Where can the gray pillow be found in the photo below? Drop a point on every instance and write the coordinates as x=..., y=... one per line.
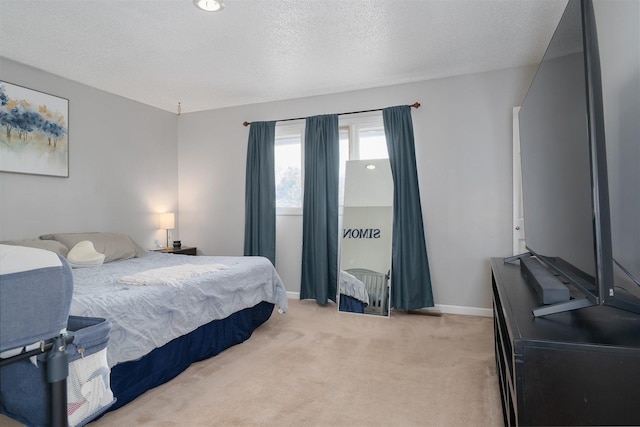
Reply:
x=49, y=245
x=114, y=246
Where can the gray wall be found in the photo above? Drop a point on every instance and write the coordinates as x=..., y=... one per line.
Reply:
x=463, y=149
x=122, y=167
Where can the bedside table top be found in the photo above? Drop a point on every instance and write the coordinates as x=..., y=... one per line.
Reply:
x=183, y=250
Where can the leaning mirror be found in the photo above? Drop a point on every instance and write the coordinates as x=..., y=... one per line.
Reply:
x=365, y=251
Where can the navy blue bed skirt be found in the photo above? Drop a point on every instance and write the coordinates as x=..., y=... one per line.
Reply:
x=351, y=305
x=131, y=379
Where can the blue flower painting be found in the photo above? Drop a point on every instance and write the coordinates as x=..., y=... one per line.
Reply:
x=34, y=132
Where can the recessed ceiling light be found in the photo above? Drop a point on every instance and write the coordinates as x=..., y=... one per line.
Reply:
x=370, y=166
x=209, y=5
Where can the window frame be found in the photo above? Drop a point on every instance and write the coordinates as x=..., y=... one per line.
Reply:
x=357, y=122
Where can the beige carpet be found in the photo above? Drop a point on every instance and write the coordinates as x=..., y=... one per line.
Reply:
x=317, y=367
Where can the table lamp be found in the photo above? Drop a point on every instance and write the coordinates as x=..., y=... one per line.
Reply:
x=167, y=221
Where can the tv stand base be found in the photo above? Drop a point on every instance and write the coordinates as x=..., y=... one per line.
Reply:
x=573, y=304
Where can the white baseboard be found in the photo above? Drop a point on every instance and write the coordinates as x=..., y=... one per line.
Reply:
x=450, y=309
x=467, y=311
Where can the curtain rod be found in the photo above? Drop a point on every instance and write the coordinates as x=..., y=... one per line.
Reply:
x=414, y=105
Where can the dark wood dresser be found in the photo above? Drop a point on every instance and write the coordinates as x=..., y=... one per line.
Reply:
x=574, y=368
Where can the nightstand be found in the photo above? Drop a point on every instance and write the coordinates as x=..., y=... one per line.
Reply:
x=184, y=250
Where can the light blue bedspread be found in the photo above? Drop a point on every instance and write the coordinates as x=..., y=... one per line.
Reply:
x=351, y=286
x=146, y=317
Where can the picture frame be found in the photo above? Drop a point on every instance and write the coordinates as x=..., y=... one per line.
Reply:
x=34, y=132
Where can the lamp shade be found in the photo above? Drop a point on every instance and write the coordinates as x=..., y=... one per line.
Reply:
x=167, y=221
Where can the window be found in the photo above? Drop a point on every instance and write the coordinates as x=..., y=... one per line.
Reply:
x=373, y=143
x=288, y=168
x=361, y=138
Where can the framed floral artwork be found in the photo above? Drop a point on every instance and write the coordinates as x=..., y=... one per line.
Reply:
x=34, y=132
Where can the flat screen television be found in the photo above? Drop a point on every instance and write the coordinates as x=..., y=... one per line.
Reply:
x=564, y=167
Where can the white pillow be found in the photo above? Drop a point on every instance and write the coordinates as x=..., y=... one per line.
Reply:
x=83, y=254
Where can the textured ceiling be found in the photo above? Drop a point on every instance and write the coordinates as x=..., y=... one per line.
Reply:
x=163, y=52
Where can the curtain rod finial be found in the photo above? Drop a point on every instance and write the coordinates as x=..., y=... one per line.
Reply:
x=245, y=123
x=416, y=105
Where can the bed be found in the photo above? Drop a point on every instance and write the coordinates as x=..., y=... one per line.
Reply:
x=196, y=307
x=353, y=296
x=364, y=291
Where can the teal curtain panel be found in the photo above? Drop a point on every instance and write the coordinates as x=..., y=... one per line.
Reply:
x=320, y=210
x=410, y=275
x=260, y=192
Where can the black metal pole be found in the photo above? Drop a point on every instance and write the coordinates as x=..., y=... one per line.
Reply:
x=57, y=372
